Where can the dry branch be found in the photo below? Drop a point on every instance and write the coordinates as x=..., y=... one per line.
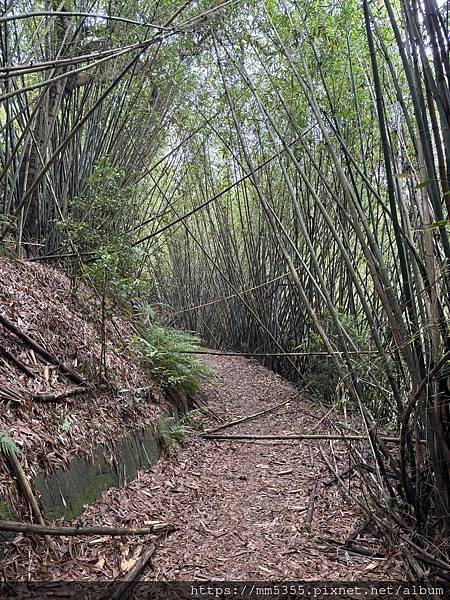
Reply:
x=134, y=574
x=58, y=396
x=34, y=529
x=16, y=362
x=40, y=350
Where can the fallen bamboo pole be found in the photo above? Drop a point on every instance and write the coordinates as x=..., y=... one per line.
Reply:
x=131, y=578
x=16, y=362
x=249, y=417
x=54, y=530
x=42, y=351
x=218, y=437
x=24, y=485
x=262, y=354
x=424, y=555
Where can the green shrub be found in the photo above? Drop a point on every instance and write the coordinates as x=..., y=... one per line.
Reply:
x=167, y=354
x=99, y=226
x=172, y=432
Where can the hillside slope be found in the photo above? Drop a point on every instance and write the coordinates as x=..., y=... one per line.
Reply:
x=39, y=301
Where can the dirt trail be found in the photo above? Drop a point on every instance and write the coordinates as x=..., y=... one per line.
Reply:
x=239, y=507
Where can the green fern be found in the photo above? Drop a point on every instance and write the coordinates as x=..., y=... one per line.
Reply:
x=7, y=445
x=172, y=432
x=167, y=354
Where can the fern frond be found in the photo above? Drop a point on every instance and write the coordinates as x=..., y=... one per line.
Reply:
x=172, y=432
x=167, y=354
x=7, y=445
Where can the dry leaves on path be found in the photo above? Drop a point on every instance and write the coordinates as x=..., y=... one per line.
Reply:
x=239, y=507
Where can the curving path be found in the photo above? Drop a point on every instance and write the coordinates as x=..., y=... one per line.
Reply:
x=240, y=508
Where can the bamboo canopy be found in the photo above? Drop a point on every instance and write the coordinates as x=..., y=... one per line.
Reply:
x=274, y=176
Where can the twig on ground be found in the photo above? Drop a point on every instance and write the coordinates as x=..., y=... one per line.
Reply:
x=310, y=513
x=40, y=350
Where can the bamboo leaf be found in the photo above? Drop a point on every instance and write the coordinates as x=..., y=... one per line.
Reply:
x=423, y=184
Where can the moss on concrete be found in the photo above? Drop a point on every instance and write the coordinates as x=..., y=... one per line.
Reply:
x=67, y=492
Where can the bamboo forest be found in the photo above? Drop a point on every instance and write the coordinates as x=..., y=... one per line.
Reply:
x=224, y=298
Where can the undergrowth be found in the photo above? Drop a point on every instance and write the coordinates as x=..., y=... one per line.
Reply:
x=7, y=445
x=320, y=373
x=174, y=432
x=166, y=352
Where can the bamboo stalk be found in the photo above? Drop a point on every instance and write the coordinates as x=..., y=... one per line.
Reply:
x=53, y=530
x=293, y=436
x=24, y=485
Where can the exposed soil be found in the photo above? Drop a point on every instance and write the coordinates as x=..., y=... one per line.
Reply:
x=239, y=508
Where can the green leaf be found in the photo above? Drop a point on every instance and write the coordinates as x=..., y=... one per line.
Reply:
x=437, y=224
x=7, y=445
x=423, y=184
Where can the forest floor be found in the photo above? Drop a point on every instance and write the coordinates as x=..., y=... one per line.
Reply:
x=239, y=507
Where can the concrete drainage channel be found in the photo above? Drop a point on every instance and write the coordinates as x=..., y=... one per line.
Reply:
x=67, y=492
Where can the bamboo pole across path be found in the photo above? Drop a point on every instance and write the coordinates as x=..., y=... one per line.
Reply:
x=35, y=529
